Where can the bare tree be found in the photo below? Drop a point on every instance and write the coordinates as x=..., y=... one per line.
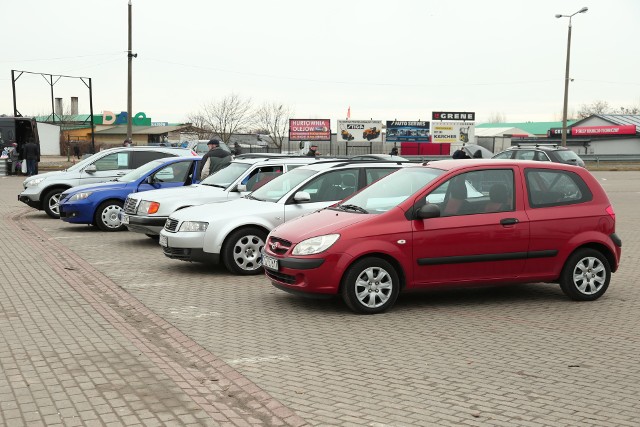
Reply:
x=273, y=119
x=597, y=107
x=230, y=115
x=497, y=118
x=200, y=126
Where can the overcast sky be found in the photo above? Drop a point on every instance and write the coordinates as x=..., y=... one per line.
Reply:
x=387, y=60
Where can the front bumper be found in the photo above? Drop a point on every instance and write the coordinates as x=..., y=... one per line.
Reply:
x=77, y=212
x=26, y=199
x=186, y=246
x=145, y=224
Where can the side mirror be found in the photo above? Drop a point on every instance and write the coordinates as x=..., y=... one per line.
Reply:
x=302, y=196
x=241, y=188
x=149, y=180
x=90, y=169
x=428, y=211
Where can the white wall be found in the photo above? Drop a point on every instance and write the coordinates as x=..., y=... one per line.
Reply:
x=49, y=139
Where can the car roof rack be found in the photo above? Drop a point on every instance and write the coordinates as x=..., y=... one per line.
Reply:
x=537, y=144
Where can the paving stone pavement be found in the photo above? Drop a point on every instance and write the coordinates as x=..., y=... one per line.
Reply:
x=101, y=329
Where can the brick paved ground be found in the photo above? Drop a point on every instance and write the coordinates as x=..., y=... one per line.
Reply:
x=101, y=327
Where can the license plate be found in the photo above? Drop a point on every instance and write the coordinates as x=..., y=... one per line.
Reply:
x=125, y=219
x=164, y=241
x=269, y=262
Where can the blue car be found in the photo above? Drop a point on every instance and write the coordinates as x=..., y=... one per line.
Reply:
x=100, y=204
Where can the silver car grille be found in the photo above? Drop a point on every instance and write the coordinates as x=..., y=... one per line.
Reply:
x=171, y=225
x=130, y=206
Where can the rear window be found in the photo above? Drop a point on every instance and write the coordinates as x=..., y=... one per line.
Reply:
x=548, y=188
x=567, y=155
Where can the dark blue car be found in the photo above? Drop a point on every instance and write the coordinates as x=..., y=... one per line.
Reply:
x=100, y=204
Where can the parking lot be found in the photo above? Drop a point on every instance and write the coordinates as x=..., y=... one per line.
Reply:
x=186, y=344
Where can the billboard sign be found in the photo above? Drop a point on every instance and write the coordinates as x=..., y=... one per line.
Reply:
x=309, y=130
x=452, y=132
x=452, y=115
x=405, y=131
x=595, y=130
x=359, y=131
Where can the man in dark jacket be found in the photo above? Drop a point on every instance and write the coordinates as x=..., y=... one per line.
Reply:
x=217, y=157
x=31, y=153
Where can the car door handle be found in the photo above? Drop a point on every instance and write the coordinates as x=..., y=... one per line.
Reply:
x=508, y=221
x=120, y=173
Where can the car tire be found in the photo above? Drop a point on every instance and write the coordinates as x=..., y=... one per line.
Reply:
x=51, y=202
x=242, y=251
x=106, y=216
x=370, y=286
x=586, y=275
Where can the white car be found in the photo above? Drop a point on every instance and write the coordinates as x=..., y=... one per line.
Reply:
x=43, y=191
x=234, y=232
x=147, y=213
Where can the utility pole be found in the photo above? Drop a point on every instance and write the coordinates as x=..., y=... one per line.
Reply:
x=130, y=56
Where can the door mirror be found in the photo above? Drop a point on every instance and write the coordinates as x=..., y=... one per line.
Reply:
x=241, y=188
x=149, y=180
x=302, y=196
x=428, y=211
x=90, y=169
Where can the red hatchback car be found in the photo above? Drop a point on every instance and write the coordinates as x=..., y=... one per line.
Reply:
x=452, y=223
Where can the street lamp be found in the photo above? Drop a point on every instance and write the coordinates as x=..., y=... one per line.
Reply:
x=566, y=76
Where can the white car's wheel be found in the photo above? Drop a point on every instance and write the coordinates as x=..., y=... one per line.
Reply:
x=242, y=251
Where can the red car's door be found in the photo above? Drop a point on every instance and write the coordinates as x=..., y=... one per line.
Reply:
x=482, y=239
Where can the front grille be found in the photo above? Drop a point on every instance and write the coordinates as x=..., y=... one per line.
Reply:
x=171, y=225
x=281, y=277
x=279, y=246
x=130, y=206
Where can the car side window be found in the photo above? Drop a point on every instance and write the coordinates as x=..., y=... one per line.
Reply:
x=541, y=156
x=113, y=161
x=374, y=174
x=525, y=154
x=175, y=172
x=260, y=176
x=504, y=155
x=477, y=192
x=546, y=188
x=139, y=157
x=333, y=186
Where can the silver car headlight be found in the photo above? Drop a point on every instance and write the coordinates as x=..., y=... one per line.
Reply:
x=80, y=196
x=194, y=226
x=33, y=182
x=315, y=245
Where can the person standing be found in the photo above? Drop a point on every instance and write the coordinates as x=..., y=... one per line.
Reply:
x=76, y=151
x=31, y=154
x=14, y=156
x=217, y=158
x=313, y=151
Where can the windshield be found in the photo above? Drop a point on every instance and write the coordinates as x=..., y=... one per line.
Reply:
x=136, y=174
x=388, y=192
x=278, y=187
x=227, y=176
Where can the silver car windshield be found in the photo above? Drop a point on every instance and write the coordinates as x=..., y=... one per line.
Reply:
x=227, y=176
x=388, y=192
x=278, y=187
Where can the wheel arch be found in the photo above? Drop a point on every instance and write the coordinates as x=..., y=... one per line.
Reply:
x=603, y=249
x=230, y=231
x=391, y=260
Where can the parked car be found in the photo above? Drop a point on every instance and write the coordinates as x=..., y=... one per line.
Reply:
x=379, y=157
x=528, y=222
x=43, y=191
x=101, y=204
x=234, y=232
x=147, y=213
x=542, y=153
x=201, y=147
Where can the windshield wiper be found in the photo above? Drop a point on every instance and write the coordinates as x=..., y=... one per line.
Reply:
x=215, y=185
x=353, y=208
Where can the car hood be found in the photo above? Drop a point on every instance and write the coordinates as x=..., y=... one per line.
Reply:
x=168, y=195
x=53, y=174
x=103, y=186
x=326, y=221
x=226, y=210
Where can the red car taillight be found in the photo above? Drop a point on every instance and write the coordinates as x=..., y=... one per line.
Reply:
x=611, y=213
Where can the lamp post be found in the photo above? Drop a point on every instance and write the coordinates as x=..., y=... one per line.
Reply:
x=566, y=76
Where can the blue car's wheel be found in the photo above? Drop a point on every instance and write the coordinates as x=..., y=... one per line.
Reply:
x=106, y=217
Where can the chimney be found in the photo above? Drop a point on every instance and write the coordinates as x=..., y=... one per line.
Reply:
x=74, y=105
x=58, y=107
